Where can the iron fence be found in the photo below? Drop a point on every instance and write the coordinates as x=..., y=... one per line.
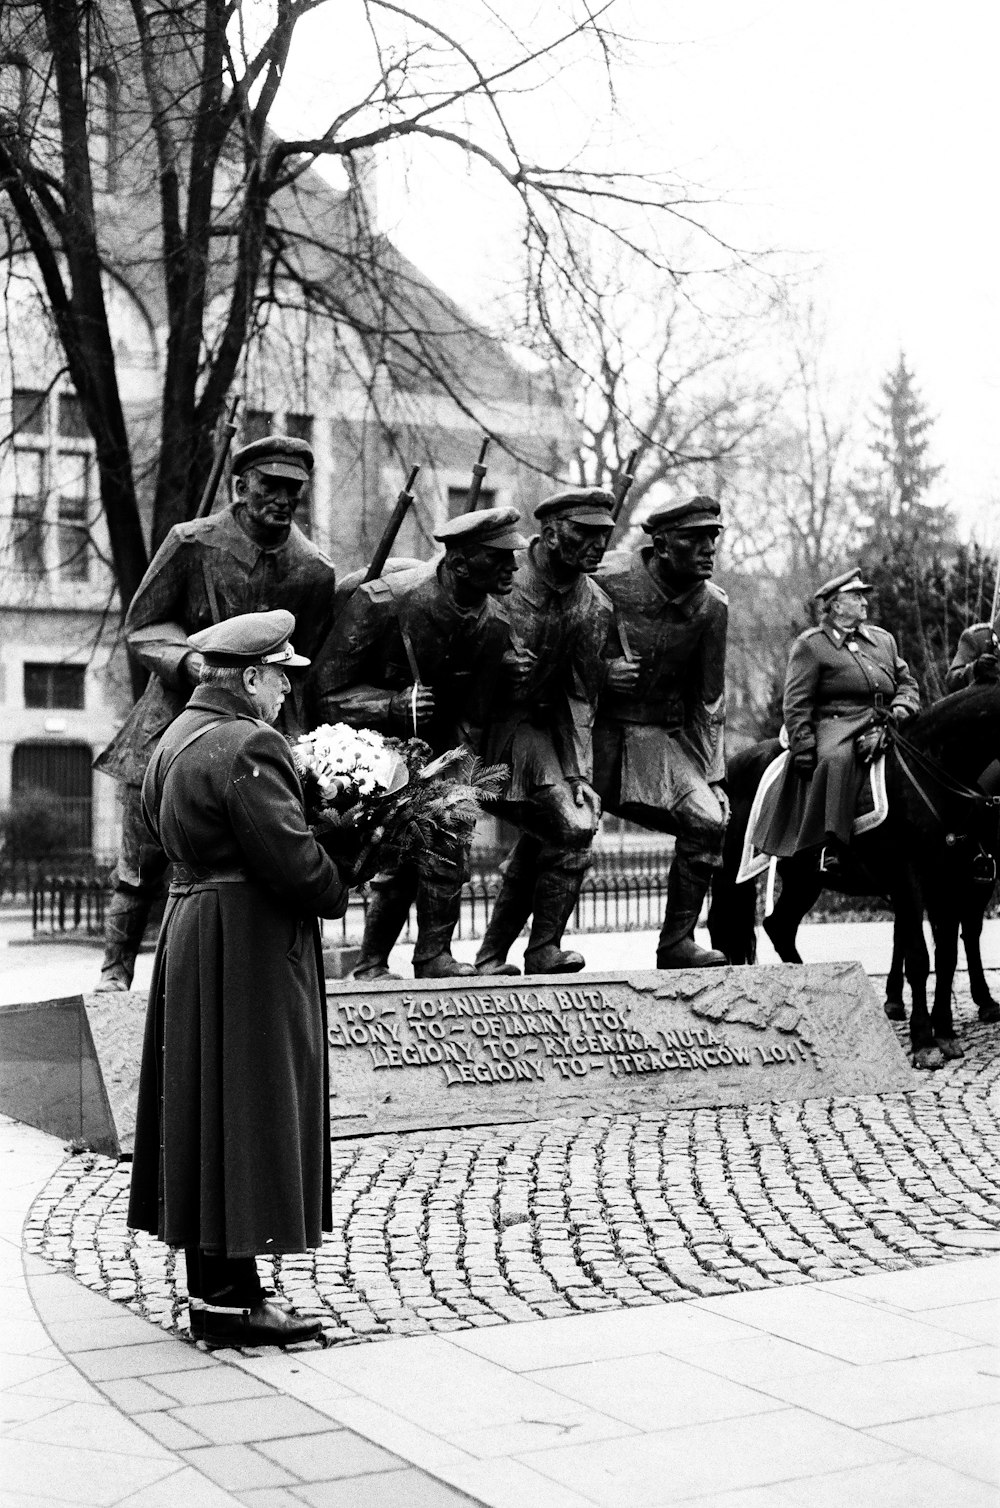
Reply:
x=61, y=904
x=608, y=903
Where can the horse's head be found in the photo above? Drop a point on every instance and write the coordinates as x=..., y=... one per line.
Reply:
x=961, y=730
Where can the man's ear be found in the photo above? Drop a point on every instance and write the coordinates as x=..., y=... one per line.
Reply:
x=250, y=677
x=550, y=534
x=458, y=564
x=240, y=485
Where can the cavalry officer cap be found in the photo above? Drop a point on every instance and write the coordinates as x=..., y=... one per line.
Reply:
x=697, y=513
x=250, y=639
x=496, y=527
x=850, y=581
x=581, y=505
x=275, y=455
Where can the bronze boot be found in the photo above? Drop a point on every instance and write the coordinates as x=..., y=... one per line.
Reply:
x=687, y=888
x=385, y=918
x=553, y=903
x=124, y=929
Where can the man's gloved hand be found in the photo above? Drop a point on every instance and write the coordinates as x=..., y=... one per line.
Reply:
x=900, y=715
x=405, y=707
x=804, y=762
x=986, y=670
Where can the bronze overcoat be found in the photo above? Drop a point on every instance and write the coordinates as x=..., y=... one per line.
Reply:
x=457, y=654
x=675, y=715
x=205, y=571
x=976, y=640
x=232, y=1142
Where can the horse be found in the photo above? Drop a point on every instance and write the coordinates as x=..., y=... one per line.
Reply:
x=935, y=851
x=971, y=920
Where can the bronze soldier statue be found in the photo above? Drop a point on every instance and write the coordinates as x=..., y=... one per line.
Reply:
x=543, y=726
x=975, y=662
x=246, y=558
x=658, y=742
x=417, y=654
x=841, y=677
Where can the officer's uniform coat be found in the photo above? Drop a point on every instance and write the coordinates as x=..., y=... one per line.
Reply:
x=204, y=572
x=833, y=683
x=232, y=1143
x=457, y=651
x=659, y=746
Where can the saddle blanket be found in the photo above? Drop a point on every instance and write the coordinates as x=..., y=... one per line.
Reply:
x=753, y=862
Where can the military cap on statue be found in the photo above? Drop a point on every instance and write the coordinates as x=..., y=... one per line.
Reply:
x=496, y=527
x=275, y=455
x=696, y=513
x=850, y=581
x=581, y=505
x=250, y=639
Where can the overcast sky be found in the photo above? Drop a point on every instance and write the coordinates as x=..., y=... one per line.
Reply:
x=860, y=138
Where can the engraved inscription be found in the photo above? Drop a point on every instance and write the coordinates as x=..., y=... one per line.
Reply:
x=487, y=1037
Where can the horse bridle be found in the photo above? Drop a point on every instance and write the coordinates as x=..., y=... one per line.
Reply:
x=907, y=753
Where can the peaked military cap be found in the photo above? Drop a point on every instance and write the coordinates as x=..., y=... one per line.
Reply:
x=496, y=527
x=850, y=581
x=581, y=505
x=699, y=512
x=275, y=455
x=250, y=639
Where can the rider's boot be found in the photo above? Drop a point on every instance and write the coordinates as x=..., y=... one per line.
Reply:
x=124, y=928
x=687, y=888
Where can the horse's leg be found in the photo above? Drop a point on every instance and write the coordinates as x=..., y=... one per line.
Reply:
x=944, y=925
x=801, y=883
x=894, y=1007
x=908, y=910
x=972, y=932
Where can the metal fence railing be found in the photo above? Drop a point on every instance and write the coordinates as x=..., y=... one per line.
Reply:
x=61, y=904
x=608, y=902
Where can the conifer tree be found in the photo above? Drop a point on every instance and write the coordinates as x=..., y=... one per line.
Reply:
x=896, y=491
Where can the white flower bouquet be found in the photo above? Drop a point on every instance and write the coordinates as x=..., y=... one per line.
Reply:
x=376, y=803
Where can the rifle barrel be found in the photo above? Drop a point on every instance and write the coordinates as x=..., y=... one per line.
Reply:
x=215, y=475
x=392, y=528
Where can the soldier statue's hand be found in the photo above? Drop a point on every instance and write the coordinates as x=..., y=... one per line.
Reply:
x=518, y=665
x=193, y=662
x=585, y=795
x=804, y=762
x=623, y=674
x=721, y=796
x=405, y=706
x=986, y=670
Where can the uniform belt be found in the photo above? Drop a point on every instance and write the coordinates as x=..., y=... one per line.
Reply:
x=184, y=875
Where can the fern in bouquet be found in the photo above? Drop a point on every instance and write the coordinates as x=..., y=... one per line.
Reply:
x=377, y=803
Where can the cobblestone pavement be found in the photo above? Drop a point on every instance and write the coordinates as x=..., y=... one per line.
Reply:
x=445, y=1230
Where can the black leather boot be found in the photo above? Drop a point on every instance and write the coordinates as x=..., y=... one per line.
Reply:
x=124, y=929
x=686, y=890
x=553, y=903
x=262, y=1325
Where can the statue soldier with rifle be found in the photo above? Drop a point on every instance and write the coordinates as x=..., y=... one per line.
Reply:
x=246, y=558
x=658, y=740
x=542, y=725
x=977, y=658
x=418, y=654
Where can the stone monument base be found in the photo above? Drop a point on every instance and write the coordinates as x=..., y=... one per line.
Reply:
x=419, y=1054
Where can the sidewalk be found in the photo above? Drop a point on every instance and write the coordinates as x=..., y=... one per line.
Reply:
x=881, y=1390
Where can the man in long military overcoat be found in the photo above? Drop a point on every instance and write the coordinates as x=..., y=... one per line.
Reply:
x=232, y=1141
x=543, y=727
x=659, y=758
x=842, y=676
x=417, y=654
x=247, y=558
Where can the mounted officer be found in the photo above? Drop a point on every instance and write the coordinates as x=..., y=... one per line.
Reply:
x=417, y=653
x=658, y=741
x=843, y=677
x=249, y=557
